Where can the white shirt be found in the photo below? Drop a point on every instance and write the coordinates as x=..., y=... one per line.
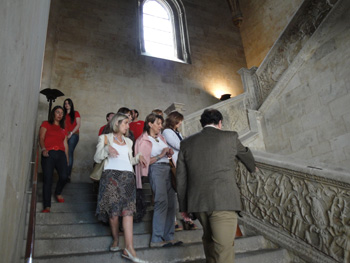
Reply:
x=173, y=141
x=157, y=148
x=121, y=162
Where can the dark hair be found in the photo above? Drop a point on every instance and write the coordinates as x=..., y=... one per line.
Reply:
x=109, y=113
x=72, y=112
x=151, y=118
x=124, y=110
x=51, y=119
x=173, y=119
x=211, y=116
x=134, y=110
x=157, y=112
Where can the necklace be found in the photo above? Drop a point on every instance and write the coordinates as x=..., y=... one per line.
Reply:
x=155, y=138
x=116, y=138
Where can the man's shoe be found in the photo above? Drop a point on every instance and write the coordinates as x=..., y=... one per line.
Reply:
x=175, y=242
x=161, y=244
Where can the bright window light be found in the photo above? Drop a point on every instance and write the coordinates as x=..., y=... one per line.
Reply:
x=158, y=30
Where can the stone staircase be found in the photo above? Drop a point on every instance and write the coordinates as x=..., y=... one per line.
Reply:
x=71, y=234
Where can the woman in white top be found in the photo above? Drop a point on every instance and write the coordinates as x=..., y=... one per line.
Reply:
x=117, y=190
x=173, y=137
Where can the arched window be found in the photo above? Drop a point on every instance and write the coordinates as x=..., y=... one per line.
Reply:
x=163, y=30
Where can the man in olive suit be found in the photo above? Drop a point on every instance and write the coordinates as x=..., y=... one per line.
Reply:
x=206, y=183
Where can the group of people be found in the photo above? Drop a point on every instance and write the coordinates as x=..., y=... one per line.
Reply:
x=118, y=184
x=132, y=149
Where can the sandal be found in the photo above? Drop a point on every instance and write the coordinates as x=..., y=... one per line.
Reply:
x=189, y=225
x=132, y=258
x=178, y=227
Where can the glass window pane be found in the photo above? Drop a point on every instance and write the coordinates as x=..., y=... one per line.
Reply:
x=158, y=30
x=154, y=8
x=159, y=49
x=154, y=22
x=158, y=36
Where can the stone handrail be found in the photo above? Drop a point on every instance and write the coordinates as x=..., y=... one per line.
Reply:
x=233, y=111
x=299, y=30
x=301, y=207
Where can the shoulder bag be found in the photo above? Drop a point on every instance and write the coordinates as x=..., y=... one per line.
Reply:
x=98, y=167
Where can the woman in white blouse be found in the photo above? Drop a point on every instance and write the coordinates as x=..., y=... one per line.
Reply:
x=117, y=190
x=173, y=137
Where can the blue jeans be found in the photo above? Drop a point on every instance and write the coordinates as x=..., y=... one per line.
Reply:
x=163, y=225
x=72, y=143
x=56, y=160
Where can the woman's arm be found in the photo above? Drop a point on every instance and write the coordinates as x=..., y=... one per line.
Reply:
x=160, y=156
x=76, y=127
x=65, y=142
x=172, y=139
x=101, y=150
x=42, y=134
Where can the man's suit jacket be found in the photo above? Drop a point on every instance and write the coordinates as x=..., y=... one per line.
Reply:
x=205, y=171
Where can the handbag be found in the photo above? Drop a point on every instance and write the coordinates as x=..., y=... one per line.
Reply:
x=98, y=167
x=173, y=173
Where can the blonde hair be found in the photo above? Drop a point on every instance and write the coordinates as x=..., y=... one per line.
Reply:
x=116, y=121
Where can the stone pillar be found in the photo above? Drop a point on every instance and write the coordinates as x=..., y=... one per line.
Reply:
x=180, y=107
x=251, y=87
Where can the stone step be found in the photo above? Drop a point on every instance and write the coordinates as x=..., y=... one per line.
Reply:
x=83, y=230
x=74, y=198
x=65, y=246
x=278, y=255
x=261, y=256
x=73, y=218
x=84, y=188
x=68, y=207
x=86, y=229
x=186, y=253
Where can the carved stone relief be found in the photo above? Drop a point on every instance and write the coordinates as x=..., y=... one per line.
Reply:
x=282, y=54
x=306, y=207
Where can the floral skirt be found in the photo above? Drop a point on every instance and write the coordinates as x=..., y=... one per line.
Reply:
x=116, y=195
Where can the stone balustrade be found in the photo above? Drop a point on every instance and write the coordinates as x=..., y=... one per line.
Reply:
x=303, y=208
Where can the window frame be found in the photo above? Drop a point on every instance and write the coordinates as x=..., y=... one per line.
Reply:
x=180, y=33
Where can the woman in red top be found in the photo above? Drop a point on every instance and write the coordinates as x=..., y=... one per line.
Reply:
x=72, y=128
x=54, y=148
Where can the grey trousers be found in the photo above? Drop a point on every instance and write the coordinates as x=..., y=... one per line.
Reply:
x=163, y=226
x=219, y=229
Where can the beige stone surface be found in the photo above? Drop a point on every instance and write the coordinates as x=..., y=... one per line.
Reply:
x=263, y=22
x=313, y=107
x=22, y=45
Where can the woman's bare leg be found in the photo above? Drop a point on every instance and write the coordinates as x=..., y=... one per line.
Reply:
x=128, y=234
x=114, y=224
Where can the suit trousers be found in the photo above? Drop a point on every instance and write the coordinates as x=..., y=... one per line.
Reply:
x=163, y=225
x=219, y=229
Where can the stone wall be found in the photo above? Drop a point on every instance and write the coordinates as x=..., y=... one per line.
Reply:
x=22, y=34
x=308, y=115
x=92, y=57
x=263, y=22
